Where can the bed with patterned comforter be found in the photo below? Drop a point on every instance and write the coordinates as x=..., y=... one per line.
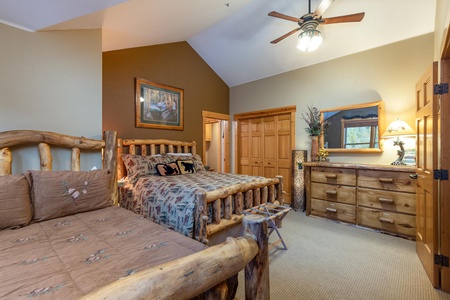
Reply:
x=171, y=200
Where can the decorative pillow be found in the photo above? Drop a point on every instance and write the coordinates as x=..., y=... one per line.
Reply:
x=182, y=156
x=15, y=202
x=61, y=193
x=139, y=165
x=168, y=169
x=186, y=166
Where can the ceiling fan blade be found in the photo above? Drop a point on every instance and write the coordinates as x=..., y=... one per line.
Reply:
x=323, y=6
x=284, y=17
x=342, y=19
x=285, y=36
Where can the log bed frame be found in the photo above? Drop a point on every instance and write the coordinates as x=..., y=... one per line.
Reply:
x=246, y=195
x=201, y=274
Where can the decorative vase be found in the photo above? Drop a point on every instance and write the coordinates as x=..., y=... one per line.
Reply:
x=314, y=148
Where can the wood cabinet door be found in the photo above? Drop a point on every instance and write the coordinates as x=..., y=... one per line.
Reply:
x=427, y=161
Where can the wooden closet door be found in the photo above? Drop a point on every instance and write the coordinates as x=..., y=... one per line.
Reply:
x=256, y=147
x=244, y=147
x=270, y=163
x=284, y=153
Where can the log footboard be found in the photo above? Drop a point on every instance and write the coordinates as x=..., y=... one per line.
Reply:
x=229, y=203
x=202, y=272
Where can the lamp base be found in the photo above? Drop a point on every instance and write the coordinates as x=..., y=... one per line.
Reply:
x=398, y=163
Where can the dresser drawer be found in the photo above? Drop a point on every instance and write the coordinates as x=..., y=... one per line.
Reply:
x=333, y=175
x=333, y=210
x=388, y=221
x=334, y=192
x=386, y=180
x=387, y=200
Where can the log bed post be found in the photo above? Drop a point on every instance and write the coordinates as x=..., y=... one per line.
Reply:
x=257, y=271
x=110, y=162
x=280, y=193
x=201, y=218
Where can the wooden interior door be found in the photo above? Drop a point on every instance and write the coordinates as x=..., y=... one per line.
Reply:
x=427, y=161
x=445, y=184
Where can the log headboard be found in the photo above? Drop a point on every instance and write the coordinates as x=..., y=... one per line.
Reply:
x=45, y=139
x=150, y=147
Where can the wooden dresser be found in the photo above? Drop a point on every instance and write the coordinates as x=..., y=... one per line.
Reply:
x=381, y=197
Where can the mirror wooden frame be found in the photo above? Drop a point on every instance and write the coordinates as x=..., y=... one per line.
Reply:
x=381, y=127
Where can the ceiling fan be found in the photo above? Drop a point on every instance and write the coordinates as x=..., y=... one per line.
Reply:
x=311, y=38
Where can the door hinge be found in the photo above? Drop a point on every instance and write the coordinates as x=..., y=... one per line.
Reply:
x=440, y=174
x=441, y=88
x=441, y=260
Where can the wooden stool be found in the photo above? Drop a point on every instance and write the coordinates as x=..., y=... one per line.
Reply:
x=274, y=214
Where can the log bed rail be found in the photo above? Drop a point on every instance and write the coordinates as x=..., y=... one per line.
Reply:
x=234, y=199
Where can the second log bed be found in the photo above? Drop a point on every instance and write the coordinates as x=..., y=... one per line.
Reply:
x=217, y=208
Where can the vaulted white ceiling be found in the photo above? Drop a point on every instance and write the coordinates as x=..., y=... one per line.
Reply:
x=232, y=36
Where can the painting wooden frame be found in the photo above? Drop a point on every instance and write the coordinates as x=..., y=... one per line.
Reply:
x=158, y=106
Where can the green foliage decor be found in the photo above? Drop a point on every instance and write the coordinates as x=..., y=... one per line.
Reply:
x=312, y=118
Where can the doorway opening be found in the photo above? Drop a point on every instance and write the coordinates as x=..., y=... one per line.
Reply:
x=216, y=141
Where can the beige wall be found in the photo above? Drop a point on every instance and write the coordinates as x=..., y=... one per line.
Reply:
x=51, y=81
x=387, y=73
x=442, y=21
x=176, y=65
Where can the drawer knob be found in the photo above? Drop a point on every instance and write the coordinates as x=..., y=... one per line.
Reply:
x=386, y=220
x=333, y=210
x=331, y=192
x=386, y=180
x=331, y=176
x=385, y=200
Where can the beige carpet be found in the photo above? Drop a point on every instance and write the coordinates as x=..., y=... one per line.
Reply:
x=328, y=260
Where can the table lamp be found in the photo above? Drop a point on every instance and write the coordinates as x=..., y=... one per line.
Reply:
x=396, y=129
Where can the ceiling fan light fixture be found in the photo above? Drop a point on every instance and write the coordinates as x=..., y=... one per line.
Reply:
x=309, y=40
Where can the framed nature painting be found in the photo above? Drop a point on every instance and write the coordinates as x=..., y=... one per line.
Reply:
x=158, y=105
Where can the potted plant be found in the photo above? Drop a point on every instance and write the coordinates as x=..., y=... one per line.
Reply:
x=315, y=128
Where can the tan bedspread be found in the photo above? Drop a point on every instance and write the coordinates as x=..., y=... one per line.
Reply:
x=68, y=257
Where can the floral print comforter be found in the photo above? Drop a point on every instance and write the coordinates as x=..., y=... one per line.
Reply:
x=170, y=200
x=68, y=257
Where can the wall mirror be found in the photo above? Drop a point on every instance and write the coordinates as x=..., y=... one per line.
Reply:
x=354, y=128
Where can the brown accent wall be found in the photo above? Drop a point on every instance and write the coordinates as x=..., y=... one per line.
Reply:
x=175, y=64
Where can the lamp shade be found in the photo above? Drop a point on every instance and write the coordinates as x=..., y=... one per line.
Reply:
x=309, y=40
x=398, y=128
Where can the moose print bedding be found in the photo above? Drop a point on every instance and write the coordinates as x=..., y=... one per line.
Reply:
x=170, y=200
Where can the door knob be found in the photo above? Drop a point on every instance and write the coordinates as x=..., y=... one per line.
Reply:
x=413, y=176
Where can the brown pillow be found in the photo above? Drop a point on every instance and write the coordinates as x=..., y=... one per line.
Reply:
x=186, y=166
x=168, y=169
x=15, y=203
x=61, y=193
